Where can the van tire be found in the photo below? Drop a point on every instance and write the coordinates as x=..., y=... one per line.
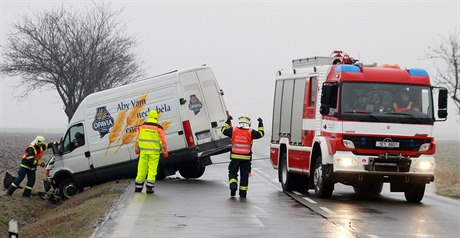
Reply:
x=192, y=172
x=68, y=189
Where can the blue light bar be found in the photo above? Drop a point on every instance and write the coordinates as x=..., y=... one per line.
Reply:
x=418, y=72
x=348, y=68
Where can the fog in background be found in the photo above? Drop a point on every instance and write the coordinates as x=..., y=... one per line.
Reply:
x=247, y=42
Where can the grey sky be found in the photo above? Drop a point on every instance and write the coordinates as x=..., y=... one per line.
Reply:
x=246, y=42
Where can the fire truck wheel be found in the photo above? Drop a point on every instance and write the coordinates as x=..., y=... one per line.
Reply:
x=323, y=187
x=415, y=192
x=68, y=189
x=371, y=188
x=285, y=178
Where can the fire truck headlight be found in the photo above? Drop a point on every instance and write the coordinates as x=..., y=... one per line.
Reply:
x=347, y=162
x=425, y=165
x=348, y=144
x=424, y=147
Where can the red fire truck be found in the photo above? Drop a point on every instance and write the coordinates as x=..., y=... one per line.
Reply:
x=339, y=121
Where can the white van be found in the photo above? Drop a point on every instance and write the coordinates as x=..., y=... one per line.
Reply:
x=191, y=110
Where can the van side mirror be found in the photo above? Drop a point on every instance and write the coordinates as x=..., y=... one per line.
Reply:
x=442, y=103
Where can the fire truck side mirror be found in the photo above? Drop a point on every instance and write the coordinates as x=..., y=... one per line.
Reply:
x=442, y=103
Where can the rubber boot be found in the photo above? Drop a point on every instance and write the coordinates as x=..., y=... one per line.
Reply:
x=233, y=187
x=138, y=187
x=243, y=194
x=10, y=190
x=149, y=190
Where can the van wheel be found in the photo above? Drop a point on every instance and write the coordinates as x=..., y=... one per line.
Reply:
x=68, y=189
x=160, y=173
x=415, y=192
x=285, y=177
x=323, y=187
x=192, y=172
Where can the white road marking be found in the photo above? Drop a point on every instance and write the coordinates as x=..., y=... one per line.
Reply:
x=271, y=184
x=276, y=181
x=308, y=200
x=373, y=236
x=257, y=221
x=296, y=193
x=328, y=210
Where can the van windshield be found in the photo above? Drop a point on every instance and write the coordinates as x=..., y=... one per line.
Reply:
x=386, y=102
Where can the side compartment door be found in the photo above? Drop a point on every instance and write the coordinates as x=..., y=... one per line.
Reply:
x=213, y=101
x=196, y=108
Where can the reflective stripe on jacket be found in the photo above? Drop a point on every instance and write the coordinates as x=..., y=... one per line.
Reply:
x=151, y=139
x=241, y=142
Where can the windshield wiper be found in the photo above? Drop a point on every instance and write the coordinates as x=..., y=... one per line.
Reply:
x=410, y=115
x=364, y=113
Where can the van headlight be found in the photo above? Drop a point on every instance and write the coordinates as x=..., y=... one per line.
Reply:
x=424, y=165
x=424, y=147
x=348, y=144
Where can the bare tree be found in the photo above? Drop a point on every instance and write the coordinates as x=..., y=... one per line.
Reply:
x=446, y=58
x=76, y=53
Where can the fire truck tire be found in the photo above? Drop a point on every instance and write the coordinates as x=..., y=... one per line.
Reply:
x=192, y=172
x=68, y=189
x=415, y=192
x=285, y=177
x=323, y=187
x=371, y=188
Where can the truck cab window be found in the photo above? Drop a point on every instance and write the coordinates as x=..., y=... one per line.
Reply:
x=74, y=138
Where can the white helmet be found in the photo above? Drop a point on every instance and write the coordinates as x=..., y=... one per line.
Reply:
x=38, y=140
x=244, y=120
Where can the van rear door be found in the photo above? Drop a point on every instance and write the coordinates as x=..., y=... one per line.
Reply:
x=214, y=102
x=196, y=109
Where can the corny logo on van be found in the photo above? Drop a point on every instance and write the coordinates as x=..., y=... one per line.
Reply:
x=103, y=121
x=195, y=105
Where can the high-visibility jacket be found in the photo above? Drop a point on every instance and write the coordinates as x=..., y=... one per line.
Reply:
x=241, y=141
x=37, y=153
x=402, y=109
x=151, y=139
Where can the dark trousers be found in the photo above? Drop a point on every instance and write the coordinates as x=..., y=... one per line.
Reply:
x=244, y=166
x=21, y=175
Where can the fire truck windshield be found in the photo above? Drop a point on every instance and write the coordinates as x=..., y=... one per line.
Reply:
x=386, y=102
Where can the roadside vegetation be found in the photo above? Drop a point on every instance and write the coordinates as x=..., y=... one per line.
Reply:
x=446, y=176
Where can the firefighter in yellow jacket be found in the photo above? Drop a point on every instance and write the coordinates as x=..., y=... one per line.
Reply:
x=241, y=154
x=30, y=160
x=151, y=141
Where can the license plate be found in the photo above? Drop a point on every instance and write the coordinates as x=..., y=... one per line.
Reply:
x=203, y=135
x=387, y=144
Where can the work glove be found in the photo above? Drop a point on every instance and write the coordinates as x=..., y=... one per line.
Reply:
x=165, y=154
x=260, y=121
x=229, y=120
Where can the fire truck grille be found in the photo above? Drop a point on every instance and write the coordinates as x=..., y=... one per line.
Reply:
x=386, y=143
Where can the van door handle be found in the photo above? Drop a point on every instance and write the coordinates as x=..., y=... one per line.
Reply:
x=87, y=154
x=214, y=124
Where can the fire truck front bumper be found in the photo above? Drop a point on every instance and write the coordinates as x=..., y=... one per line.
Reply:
x=384, y=167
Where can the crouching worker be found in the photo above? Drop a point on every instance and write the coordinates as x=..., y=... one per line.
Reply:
x=151, y=142
x=31, y=159
x=241, y=154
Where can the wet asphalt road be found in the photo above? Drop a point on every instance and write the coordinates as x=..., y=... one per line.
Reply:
x=203, y=208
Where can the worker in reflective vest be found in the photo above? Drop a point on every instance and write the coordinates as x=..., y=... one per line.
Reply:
x=151, y=142
x=404, y=103
x=241, y=154
x=30, y=160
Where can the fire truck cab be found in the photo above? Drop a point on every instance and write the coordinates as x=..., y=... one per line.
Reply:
x=337, y=120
